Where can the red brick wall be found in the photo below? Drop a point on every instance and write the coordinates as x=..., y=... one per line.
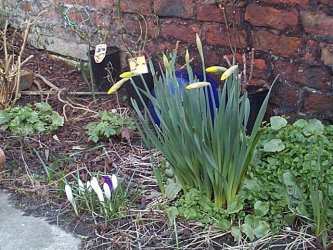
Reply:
x=293, y=38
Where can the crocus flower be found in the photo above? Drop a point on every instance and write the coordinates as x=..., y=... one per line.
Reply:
x=81, y=186
x=229, y=72
x=111, y=181
x=117, y=86
x=70, y=197
x=216, y=69
x=88, y=186
x=127, y=74
x=95, y=186
x=197, y=85
x=107, y=191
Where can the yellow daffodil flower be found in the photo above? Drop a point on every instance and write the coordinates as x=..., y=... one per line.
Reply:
x=197, y=85
x=216, y=69
x=128, y=74
x=117, y=86
x=229, y=72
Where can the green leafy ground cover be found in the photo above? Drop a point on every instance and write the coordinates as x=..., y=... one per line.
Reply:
x=29, y=120
x=290, y=179
x=109, y=124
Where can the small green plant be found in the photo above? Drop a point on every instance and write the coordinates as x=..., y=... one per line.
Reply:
x=110, y=124
x=29, y=120
x=107, y=201
x=293, y=172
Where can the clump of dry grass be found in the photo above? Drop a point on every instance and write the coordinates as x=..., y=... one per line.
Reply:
x=10, y=67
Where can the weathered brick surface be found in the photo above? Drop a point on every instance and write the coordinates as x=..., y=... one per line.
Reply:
x=302, y=3
x=293, y=38
x=218, y=35
x=318, y=104
x=271, y=17
x=179, y=31
x=277, y=44
x=174, y=8
x=210, y=13
x=317, y=23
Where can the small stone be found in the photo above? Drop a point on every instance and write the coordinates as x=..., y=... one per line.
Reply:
x=26, y=80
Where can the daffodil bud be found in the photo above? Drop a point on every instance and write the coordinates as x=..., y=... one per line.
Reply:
x=229, y=72
x=216, y=69
x=187, y=57
x=166, y=61
x=128, y=74
x=117, y=86
x=197, y=85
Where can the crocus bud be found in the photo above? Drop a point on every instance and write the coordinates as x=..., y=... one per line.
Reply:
x=95, y=186
x=107, y=191
x=70, y=198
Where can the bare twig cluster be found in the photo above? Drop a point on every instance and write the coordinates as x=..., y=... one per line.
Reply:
x=10, y=68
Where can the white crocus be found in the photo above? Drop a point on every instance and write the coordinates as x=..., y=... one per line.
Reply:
x=114, y=180
x=70, y=197
x=81, y=186
x=107, y=191
x=88, y=186
x=95, y=186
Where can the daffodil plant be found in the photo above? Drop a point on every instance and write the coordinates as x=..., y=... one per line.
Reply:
x=207, y=148
x=102, y=196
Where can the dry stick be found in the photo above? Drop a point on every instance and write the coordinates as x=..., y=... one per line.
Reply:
x=71, y=105
x=50, y=92
x=47, y=82
x=26, y=166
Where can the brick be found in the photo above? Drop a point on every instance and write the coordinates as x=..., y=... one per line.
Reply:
x=285, y=98
x=278, y=44
x=174, y=8
x=133, y=26
x=328, y=2
x=327, y=54
x=317, y=23
x=102, y=4
x=180, y=31
x=312, y=52
x=302, y=3
x=212, y=13
x=319, y=104
x=218, y=35
x=305, y=75
x=213, y=57
x=136, y=6
x=102, y=20
x=271, y=17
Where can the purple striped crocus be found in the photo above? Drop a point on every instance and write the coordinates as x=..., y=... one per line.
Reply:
x=111, y=181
